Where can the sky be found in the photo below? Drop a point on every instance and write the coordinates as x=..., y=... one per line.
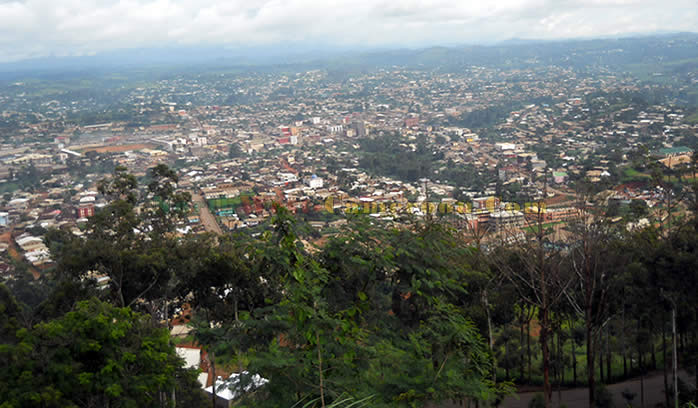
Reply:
x=39, y=28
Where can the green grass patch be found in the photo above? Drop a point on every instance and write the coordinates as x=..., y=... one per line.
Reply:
x=631, y=174
x=534, y=228
x=8, y=187
x=692, y=120
x=235, y=202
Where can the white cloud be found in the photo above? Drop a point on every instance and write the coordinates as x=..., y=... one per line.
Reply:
x=71, y=27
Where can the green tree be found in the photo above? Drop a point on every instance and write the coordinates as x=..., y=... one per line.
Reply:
x=134, y=249
x=165, y=206
x=375, y=313
x=234, y=150
x=96, y=355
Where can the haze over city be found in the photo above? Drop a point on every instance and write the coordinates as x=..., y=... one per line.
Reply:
x=38, y=28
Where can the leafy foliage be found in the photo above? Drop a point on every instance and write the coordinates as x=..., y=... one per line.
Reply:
x=379, y=316
x=94, y=355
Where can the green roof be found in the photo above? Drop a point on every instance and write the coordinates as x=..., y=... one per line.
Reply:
x=559, y=174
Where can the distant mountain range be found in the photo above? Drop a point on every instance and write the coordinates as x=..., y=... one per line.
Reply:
x=612, y=53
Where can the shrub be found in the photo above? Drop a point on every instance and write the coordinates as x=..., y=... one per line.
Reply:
x=537, y=401
x=628, y=396
x=603, y=398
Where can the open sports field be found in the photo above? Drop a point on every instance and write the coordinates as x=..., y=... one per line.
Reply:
x=119, y=148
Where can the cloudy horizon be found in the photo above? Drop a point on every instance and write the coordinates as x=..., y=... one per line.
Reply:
x=38, y=28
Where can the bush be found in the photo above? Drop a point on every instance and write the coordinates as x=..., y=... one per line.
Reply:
x=628, y=396
x=603, y=398
x=537, y=402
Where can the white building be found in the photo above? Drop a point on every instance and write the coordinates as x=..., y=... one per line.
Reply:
x=314, y=182
x=505, y=146
x=237, y=385
x=287, y=177
x=505, y=220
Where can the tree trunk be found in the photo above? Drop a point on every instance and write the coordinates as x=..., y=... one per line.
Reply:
x=609, y=369
x=552, y=349
x=521, y=352
x=490, y=336
x=506, y=359
x=574, y=363
x=167, y=323
x=235, y=307
x=545, y=314
x=528, y=346
x=560, y=368
x=545, y=318
x=561, y=354
x=654, y=354
x=553, y=361
x=600, y=352
x=675, y=360
x=546, y=358
x=590, y=359
x=319, y=358
x=212, y=361
x=642, y=380
x=622, y=337
x=666, y=381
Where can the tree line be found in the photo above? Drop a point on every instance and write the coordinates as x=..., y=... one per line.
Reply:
x=385, y=316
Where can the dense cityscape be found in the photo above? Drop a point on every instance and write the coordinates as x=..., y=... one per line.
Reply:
x=523, y=156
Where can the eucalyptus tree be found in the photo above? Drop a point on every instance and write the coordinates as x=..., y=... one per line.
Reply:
x=594, y=262
x=535, y=267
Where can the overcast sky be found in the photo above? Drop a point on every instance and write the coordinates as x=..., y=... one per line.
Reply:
x=33, y=28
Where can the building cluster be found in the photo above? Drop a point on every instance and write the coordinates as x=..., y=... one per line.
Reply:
x=242, y=142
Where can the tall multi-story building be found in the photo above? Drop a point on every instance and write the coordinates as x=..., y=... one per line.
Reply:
x=506, y=220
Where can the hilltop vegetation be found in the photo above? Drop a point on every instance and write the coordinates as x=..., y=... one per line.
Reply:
x=403, y=316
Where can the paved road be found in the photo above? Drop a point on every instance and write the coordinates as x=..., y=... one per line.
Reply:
x=207, y=219
x=560, y=192
x=577, y=398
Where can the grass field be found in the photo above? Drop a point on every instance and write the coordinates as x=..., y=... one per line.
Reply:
x=632, y=173
x=647, y=71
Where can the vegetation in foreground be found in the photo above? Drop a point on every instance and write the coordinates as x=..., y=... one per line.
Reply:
x=394, y=316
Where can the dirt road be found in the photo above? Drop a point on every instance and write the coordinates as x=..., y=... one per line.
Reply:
x=578, y=397
x=14, y=252
x=207, y=219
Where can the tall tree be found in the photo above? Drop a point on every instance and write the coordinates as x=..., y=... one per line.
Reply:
x=134, y=249
x=96, y=355
x=535, y=269
x=591, y=260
